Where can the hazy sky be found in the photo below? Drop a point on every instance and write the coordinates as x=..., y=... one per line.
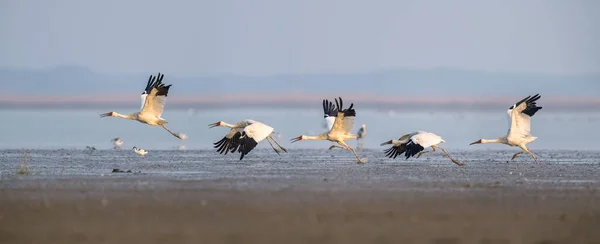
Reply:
x=264, y=37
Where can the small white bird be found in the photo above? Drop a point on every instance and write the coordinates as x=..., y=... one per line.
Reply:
x=362, y=132
x=413, y=143
x=117, y=142
x=244, y=136
x=153, y=103
x=518, y=134
x=140, y=151
x=343, y=121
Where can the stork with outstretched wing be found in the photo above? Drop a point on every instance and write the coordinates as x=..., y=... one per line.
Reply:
x=518, y=134
x=153, y=98
x=339, y=131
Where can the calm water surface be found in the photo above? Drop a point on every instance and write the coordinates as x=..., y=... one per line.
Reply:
x=76, y=129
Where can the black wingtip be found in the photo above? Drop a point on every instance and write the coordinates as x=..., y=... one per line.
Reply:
x=412, y=149
x=328, y=109
x=532, y=107
x=394, y=151
x=246, y=144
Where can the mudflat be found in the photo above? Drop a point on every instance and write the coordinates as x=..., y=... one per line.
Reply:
x=307, y=196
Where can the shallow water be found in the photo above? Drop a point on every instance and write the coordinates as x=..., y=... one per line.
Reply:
x=304, y=168
x=76, y=129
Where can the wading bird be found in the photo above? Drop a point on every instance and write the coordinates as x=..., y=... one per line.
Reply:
x=153, y=103
x=518, y=134
x=340, y=129
x=362, y=132
x=139, y=151
x=244, y=136
x=413, y=144
x=117, y=142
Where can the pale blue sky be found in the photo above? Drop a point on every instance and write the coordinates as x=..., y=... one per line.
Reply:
x=265, y=37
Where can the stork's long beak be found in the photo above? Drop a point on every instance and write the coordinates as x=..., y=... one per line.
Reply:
x=106, y=115
x=476, y=142
x=385, y=143
x=295, y=139
x=214, y=124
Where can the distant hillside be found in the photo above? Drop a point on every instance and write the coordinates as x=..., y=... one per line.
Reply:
x=401, y=82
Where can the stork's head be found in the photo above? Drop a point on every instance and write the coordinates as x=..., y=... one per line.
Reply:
x=295, y=139
x=364, y=126
x=134, y=147
x=215, y=124
x=109, y=114
x=476, y=142
x=387, y=142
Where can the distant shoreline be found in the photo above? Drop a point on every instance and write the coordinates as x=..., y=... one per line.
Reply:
x=293, y=100
x=291, y=105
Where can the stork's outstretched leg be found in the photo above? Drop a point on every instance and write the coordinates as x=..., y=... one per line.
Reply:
x=421, y=153
x=530, y=153
x=175, y=135
x=453, y=160
x=277, y=143
x=351, y=149
x=516, y=154
x=272, y=146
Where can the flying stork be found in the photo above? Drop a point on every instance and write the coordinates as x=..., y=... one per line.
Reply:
x=339, y=129
x=153, y=103
x=413, y=143
x=518, y=134
x=244, y=136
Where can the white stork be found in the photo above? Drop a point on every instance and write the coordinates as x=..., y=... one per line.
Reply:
x=139, y=151
x=117, y=142
x=518, y=134
x=413, y=143
x=343, y=121
x=244, y=136
x=153, y=103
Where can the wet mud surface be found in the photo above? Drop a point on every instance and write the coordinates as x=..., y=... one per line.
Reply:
x=304, y=196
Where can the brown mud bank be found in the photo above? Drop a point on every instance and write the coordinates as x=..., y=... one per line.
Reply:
x=92, y=212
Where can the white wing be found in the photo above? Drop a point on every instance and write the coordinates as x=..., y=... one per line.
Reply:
x=258, y=131
x=344, y=121
x=426, y=139
x=520, y=117
x=154, y=104
x=330, y=120
x=156, y=98
x=143, y=97
x=330, y=112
